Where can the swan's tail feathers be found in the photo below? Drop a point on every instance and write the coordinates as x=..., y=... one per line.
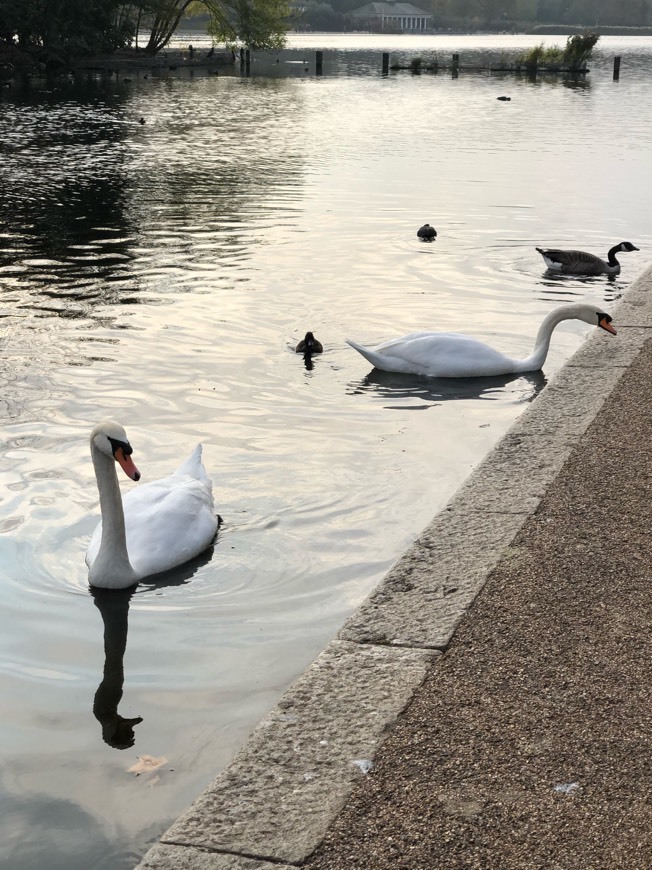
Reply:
x=540, y=250
x=193, y=465
x=374, y=358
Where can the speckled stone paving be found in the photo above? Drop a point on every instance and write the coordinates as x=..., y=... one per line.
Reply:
x=530, y=743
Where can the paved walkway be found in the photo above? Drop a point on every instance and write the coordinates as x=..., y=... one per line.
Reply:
x=490, y=704
x=530, y=743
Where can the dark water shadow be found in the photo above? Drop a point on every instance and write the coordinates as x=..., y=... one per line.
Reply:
x=113, y=604
x=562, y=287
x=117, y=731
x=429, y=391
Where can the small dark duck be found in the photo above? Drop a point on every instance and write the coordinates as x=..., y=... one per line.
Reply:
x=309, y=344
x=504, y=99
x=427, y=233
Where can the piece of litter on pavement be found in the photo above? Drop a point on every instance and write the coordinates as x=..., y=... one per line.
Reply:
x=567, y=787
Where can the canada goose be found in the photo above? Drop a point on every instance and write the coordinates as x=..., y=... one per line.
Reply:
x=452, y=355
x=157, y=526
x=427, y=232
x=309, y=344
x=582, y=263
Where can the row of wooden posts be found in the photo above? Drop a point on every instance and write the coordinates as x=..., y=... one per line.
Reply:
x=530, y=68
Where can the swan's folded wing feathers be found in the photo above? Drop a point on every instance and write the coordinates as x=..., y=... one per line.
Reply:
x=193, y=465
x=447, y=354
x=168, y=524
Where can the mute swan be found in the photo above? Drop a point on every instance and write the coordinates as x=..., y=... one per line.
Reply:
x=157, y=526
x=309, y=344
x=582, y=263
x=452, y=355
x=427, y=232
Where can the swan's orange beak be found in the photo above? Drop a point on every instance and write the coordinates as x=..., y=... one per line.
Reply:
x=606, y=325
x=126, y=464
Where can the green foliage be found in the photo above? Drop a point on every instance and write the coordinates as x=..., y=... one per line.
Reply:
x=259, y=24
x=579, y=48
x=56, y=31
x=69, y=27
x=574, y=56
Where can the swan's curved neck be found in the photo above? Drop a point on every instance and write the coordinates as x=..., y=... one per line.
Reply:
x=542, y=343
x=111, y=566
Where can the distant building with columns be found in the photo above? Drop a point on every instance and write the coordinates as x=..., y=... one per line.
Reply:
x=395, y=17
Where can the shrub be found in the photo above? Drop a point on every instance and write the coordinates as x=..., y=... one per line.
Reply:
x=575, y=55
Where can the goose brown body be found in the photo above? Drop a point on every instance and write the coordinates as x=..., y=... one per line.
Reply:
x=584, y=263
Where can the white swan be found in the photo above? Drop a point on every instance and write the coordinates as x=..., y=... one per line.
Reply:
x=451, y=355
x=157, y=526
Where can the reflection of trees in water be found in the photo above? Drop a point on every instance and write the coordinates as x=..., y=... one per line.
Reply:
x=84, y=184
x=228, y=156
x=65, y=200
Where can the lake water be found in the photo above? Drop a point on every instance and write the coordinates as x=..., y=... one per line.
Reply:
x=160, y=274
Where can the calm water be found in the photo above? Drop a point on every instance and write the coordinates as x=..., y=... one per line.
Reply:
x=160, y=275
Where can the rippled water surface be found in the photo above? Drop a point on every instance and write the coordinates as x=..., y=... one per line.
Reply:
x=160, y=274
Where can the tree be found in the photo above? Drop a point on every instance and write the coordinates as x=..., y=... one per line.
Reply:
x=258, y=23
x=64, y=28
x=56, y=31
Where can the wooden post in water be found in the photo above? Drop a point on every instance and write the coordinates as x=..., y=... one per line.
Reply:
x=319, y=63
x=455, y=66
x=616, y=68
x=385, y=63
x=531, y=69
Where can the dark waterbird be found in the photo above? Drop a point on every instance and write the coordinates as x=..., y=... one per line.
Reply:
x=583, y=263
x=427, y=232
x=309, y=344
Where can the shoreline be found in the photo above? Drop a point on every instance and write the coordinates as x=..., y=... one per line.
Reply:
x=281, y=793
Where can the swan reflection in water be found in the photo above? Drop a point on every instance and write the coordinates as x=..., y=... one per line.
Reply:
x=117, y=731
x=393, y=385
x=113, y=604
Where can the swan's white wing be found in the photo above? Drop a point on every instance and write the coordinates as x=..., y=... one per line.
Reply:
x=168, y=522
x=94, y=545
x=193, y=466
x=439, y=354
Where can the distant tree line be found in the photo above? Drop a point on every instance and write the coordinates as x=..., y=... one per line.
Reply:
x=490, y=14
x=55, y=31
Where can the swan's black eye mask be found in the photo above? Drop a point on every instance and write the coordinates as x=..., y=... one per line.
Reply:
x=127, y=449
x=603, y=316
